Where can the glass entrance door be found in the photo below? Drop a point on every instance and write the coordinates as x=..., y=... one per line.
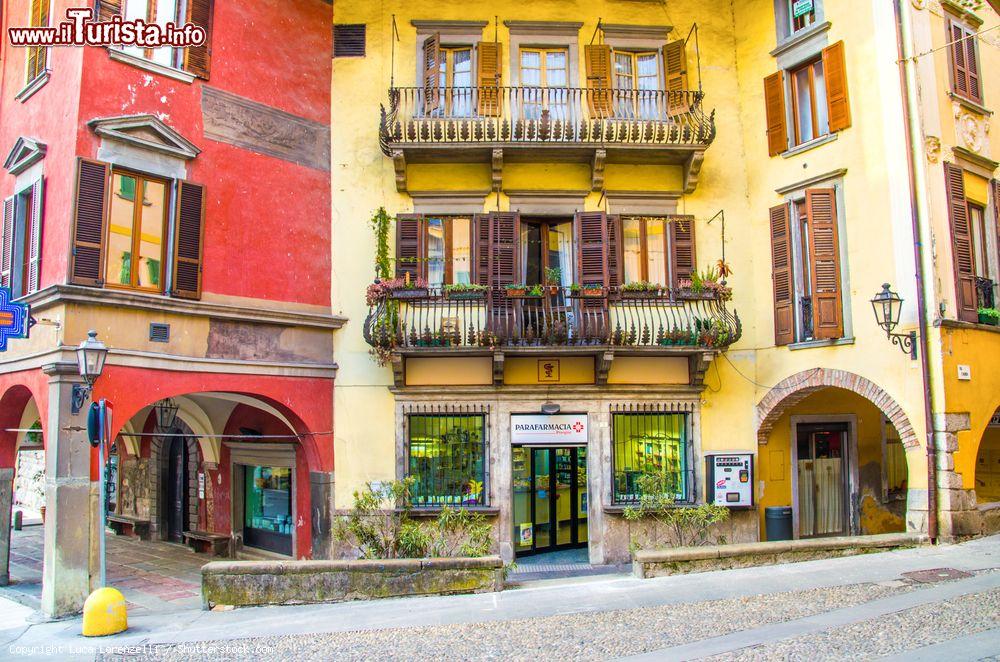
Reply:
x=822, y=479
x=550, y=499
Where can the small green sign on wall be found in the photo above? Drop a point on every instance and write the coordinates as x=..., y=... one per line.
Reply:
x=801, y=7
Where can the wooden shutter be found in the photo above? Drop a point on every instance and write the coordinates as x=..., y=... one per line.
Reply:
x=7, y=242
x=599, y=85
x=774, y=109
x=34, y=246
x=781, y=275
x=505, y=236
x=824, y=257
x=481, y=242
x=410, y=250
x=189, y=239
x=961, y=241
x=682, y=248
x=488, y=69
x=615, y=257
x=996, y=217
x=432, y=72
x=675, y=77
x=972, y=67
x=835, y=74
x=107, y=9
x=592, y=249
x=89, y=220
x=959, y=70
x=198, y=59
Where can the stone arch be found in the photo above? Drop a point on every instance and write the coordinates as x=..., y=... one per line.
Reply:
x=794, y=389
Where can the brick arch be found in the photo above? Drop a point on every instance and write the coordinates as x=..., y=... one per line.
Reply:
x=794, y=389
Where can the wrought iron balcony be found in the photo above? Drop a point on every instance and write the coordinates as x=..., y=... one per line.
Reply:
x=428, y=321
x=490, y=124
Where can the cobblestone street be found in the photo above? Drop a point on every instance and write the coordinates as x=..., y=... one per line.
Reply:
x=930, y=602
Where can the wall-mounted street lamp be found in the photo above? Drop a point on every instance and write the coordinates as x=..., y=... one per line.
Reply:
x=166, y=414
x=90, y=357
x=887, y=306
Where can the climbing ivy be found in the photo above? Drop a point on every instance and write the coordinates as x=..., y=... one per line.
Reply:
x=380, y=224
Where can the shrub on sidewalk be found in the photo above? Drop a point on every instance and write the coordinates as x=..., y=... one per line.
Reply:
x=380, y=526
x=662, y=522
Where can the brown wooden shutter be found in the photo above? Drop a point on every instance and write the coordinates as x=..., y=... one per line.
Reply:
x=835, y=74
x=198, y=59
x=7, y=242
x=89, y=220
x=972, y=67
x=675, y=77
x=189, y=239
x=481, y=242
x=615, y=248
x=996, y=217
x=505, y=236
x=961, y=240
x=488, y=67
x=410, y=248
x=959, y=70
x=432, y=72
x=682, y=247
x=106, y=9
x=592, y=252
x=774, y=109
x=781, y=275
x=34, y=246
x=599, y=84
x=824, y=257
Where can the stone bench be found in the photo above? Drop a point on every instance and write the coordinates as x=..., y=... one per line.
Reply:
x=251, y=583
x=205, y=542
x=682, y=560
x=126, y=525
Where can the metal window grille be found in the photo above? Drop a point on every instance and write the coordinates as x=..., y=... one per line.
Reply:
x=446, y=455
x=651, y=439
x=159, y=332
x=349, y=40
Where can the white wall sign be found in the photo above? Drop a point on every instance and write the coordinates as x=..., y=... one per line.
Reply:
x=541, y=429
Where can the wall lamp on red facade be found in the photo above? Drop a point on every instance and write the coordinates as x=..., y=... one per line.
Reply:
x=90, y=357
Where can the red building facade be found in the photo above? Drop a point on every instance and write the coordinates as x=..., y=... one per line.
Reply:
x=177, y=201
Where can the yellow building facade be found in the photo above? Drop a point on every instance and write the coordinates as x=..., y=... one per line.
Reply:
x=633, y=243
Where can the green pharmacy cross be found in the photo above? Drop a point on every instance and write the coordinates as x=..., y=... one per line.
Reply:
x=15, y=320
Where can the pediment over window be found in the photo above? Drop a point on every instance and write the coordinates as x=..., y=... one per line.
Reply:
x=26, y=152
x=145, y=132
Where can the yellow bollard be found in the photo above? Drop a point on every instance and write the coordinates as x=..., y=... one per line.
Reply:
x=104, y=613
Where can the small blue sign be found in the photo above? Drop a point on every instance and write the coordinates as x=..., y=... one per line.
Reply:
x=14, y=319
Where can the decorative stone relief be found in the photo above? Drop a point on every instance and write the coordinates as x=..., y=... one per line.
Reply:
x=932, y=145
x=971, y=132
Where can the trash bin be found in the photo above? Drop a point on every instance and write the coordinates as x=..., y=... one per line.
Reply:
x=778, y=523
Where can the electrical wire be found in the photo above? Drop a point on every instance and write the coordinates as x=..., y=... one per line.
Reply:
x=974, y=35
x=759, y=385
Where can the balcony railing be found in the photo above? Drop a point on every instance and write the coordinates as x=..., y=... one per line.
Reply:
x=618, y=319
x=541, y=115
x=985, y=289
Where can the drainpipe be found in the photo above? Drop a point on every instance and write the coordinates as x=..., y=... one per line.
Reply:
x=922, y=258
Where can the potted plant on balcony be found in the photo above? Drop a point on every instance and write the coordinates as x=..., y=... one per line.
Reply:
x=587, y=290
x=534, y=292
x=465, y=291
x=553, y=279
x=701, y=285
x=516, y=289
x=641, y=290
x=989, y=316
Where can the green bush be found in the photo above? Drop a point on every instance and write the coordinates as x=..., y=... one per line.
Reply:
x=667, y=523
x=380, y=526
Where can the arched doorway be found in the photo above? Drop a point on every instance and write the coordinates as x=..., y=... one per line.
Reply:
x=988, y=463
x=175, y=506
x=837, y=458
x=175, y=461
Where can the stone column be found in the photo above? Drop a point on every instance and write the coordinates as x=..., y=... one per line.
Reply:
x=69, y=534
x=321, y=501
x=6, y=499
x=957, y=513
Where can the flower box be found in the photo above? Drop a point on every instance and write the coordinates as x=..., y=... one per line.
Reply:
x=641, y=294
x=514, y=292
x=689, y=294
x=465, y=295
x=412, y=293
x=988, y=319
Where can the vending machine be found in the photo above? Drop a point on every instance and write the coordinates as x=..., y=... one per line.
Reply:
x=729, y=479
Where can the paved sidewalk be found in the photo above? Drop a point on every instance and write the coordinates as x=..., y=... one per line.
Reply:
x=536, y=600
x=153, y=576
